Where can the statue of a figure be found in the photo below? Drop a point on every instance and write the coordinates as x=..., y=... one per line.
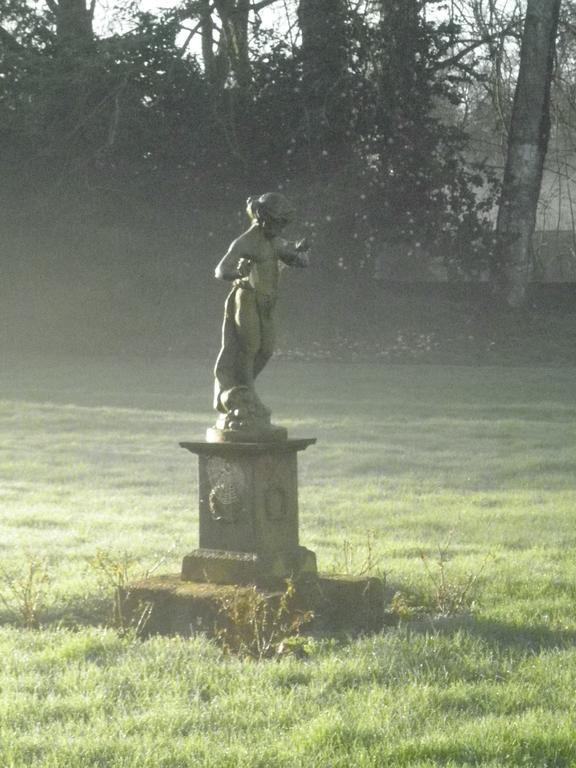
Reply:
x=253, y=264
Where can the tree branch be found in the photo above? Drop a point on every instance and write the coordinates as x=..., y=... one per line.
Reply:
x=261, y=4
x=472, y=47
x=449, y=62
x=191, y=33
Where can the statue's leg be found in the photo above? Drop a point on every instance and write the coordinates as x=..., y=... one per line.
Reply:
x=268, y=338
x=225, y=370
x=247, y=322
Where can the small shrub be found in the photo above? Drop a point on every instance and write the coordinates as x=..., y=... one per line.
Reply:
x=260, y=626
x=116, y=573
x=445, y=594
x=24, y=594
x=360, y=559
x=451, y=595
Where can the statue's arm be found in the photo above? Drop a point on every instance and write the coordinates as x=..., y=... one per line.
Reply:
x=235, y=263
x=293, y=254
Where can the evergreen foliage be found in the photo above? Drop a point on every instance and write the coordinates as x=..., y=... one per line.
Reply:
x=352, y=107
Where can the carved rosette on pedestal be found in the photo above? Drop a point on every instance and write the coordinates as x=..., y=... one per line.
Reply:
x=248, y=513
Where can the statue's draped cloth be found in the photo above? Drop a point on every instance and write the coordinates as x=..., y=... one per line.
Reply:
x=248, y=336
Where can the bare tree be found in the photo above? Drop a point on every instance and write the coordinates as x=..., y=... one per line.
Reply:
x=528, y=141
x=224, y=27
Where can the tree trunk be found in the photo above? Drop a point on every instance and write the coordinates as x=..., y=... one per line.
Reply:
x=324, y=65
x=234, y=16
x=74, y=31
x=207, y=35
x=527, y=145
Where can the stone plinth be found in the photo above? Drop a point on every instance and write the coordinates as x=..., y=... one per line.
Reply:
x=177, y=607
x=248, y=505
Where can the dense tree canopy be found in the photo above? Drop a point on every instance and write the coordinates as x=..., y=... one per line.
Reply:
x=381, y=104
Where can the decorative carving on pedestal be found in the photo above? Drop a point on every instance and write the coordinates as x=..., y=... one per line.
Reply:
x=226, y=498
x=248, y=513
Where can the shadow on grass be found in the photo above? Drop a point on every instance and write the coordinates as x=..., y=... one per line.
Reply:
x=511, y=636
x=97, y=610
x=505, y=635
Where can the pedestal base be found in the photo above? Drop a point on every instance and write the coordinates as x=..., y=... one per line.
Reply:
x=248, y=545
x=186, y=608
x=225, y=567
x=248, y=505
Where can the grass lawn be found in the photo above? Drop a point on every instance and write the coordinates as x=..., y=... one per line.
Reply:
x=410, y=460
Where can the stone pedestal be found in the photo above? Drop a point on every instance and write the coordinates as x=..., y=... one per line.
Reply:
x=248, y=504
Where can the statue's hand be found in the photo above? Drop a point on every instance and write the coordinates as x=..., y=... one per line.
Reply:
x=243, y=268
x=302, y=245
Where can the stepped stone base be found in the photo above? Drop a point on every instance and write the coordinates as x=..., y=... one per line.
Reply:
x=177, y=607
x=249, y=547
x=224, y=567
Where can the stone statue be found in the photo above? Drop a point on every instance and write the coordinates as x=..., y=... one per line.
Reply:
x=252, y=264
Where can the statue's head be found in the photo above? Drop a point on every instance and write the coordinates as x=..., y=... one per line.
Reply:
x=272, y=211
